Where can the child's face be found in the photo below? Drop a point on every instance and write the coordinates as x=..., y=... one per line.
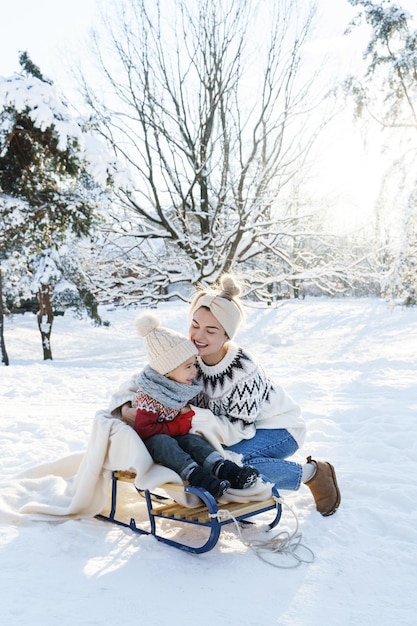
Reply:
x=184, y=373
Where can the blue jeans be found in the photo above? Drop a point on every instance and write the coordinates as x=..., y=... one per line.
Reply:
x=182, y=453
x=267, y=451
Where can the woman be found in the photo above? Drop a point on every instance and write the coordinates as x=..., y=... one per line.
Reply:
x=258, y=419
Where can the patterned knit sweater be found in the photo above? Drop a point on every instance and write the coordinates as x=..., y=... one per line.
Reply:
x=242, y=396
x=159, y=403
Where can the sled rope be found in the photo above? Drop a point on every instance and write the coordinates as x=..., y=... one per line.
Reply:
x=284, y=543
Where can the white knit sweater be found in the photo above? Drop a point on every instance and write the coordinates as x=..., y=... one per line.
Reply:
x=240, y=394
x=243, y=397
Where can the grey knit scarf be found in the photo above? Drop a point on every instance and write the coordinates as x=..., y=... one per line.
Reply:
x=166, y=391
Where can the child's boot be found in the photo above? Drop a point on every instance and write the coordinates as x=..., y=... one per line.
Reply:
x=200, y=478
x=238, y=477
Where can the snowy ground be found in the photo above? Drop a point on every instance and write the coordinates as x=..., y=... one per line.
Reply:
x=351, y=364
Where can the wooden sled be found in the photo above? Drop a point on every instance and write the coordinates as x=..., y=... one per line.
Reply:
x=210, y=514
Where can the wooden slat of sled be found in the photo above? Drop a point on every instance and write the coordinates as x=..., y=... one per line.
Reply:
x=200, y=512
x=209, y=513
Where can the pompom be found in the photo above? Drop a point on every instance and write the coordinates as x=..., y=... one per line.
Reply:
x=146, y=323
x=229, y=285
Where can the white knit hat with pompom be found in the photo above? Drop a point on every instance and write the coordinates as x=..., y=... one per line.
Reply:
x=166, y=349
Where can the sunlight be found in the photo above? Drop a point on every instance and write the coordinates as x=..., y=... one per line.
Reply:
x=124, y=548
x=7, y=535
x=348, y=175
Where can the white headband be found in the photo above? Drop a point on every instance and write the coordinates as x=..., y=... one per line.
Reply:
x=224, y=310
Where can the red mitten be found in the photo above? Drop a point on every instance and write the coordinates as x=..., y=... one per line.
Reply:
x=181, y=424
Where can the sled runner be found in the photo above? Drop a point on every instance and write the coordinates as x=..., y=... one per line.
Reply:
x=209, y=514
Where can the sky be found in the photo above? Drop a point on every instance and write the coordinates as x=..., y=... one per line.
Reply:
x=55, y=34
x=46, y=29
x=351, y=365
x=43, y=26
x=54, y=30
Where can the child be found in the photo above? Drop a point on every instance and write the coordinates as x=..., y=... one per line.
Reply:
x=162, y=415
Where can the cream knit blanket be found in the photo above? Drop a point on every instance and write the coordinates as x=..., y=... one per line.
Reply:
x=77, y=486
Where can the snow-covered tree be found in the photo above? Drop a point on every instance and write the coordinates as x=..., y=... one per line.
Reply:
x=51, y=172
x=387, y=93
x=208, y=104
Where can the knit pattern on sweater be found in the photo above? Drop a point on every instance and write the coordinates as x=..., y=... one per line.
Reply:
x=161, y=395
x=166, y=391
x=238, y=390
x=146, y=403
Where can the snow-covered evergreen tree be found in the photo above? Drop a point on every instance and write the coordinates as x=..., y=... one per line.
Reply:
x=52, y=174
x=388, y=94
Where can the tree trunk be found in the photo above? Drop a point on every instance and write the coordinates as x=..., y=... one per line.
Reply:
x=4, y=357
x=45, y=319
x=91, y=305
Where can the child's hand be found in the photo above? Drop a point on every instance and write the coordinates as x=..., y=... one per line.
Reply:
x=185, y=409
x=182, y=423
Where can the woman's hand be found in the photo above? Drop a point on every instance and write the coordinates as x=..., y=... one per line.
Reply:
x=128, y=414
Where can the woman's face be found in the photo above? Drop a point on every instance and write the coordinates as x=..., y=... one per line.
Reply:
x=208, y=336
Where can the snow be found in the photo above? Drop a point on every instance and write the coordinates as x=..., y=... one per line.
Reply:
x=352, y=366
